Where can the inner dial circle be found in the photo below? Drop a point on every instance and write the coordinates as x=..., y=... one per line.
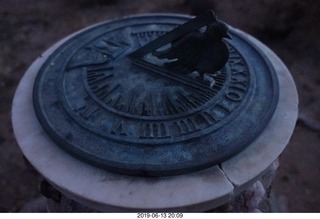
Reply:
x=144, y=90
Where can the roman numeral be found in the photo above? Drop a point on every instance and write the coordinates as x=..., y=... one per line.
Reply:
x=207, y=118
x=187, y=126
x=154, y=130
x=119, y=129
x=87, y=111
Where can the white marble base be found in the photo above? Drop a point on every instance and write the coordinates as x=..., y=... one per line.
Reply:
x=105, y=191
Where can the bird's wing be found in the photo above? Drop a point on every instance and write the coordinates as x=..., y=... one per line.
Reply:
x=213, y=58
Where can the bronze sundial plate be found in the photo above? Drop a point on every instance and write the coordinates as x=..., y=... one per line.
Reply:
x=134, y=117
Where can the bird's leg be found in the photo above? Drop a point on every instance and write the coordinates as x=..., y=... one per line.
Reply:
x=210, y=78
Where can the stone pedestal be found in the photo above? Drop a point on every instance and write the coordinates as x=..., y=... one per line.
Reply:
x=255, y=198
x=225, y=185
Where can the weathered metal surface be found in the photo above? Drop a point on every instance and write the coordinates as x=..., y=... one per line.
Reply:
x=116, y=106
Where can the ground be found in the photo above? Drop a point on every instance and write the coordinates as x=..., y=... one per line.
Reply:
x=290, y=28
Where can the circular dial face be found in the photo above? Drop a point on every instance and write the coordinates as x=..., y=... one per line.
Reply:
x=136, y=117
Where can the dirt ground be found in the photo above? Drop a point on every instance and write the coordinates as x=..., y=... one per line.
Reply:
x=290, y=27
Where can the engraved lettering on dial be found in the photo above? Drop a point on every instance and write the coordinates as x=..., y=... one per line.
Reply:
x=87, y=111
x=119, y=128
x=187, y=126
x=154, y=130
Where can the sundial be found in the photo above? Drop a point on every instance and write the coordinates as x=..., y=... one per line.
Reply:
x=152, y=95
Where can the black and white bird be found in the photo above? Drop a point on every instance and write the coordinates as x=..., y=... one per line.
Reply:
x=203, y=52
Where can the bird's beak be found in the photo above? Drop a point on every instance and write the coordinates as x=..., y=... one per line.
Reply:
x=228, y=36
